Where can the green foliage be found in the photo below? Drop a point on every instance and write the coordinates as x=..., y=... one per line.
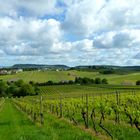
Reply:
x=110, y=71
x=26, y=89
x=3, y=88
x=98, y=81
x=17, y=89
x=15, y=125
x=108, y=110
x=19, y=83
x=13, y=90
x=49, y=82
x=85, y=80
x=104, y=81
x=138, y=82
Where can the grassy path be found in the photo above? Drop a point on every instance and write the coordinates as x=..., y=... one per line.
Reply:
x=15, y=125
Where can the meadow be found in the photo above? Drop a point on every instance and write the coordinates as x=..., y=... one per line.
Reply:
x=56, y=76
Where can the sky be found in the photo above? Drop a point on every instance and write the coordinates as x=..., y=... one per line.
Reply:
x=70, y=32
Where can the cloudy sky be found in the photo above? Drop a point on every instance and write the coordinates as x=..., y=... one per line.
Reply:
x=71, y=32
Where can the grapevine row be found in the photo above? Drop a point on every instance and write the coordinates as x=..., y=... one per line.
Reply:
x=92, y=111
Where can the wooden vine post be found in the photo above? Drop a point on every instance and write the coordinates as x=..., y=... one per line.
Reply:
x=133, y=92
x=41, y=112
x=82, y=98
x=118, y=103
x=61, y=108
x=34, y=115
x=87, y=111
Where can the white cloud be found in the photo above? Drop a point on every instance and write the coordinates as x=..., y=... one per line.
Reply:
x=28, y=36
x=40, y=7
x=84, y=45
x=88, y=17
x=118, y=39
x=72, y=32
x=81, y=18
x=16, y=8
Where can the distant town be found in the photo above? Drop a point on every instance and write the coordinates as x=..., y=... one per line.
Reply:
x=10, y=71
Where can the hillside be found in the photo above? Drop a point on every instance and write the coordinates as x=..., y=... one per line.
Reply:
x=43, y=76
x=38, y=66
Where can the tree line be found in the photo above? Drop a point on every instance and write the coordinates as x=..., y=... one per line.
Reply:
x=17, y=89
x=78, y=80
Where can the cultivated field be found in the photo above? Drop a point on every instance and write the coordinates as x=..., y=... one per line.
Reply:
x=72, y=112
x=16, y=125
x=105, y=113
x=39, y=76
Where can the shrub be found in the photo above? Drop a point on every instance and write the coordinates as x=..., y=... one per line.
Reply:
x=138, y=82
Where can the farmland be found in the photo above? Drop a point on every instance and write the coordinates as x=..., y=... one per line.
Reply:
x=78, y=90
x=69, y=70
x=15, y=126
x=107, y=115
x=69, y=112
x=43, y=76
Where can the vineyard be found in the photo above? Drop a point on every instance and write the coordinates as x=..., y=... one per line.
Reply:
x=69, y=69
x=79, y=90
x=115, y=115
x=16, y=125
x=71, y=90
x=70, y=111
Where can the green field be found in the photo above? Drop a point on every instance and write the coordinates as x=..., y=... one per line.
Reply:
x=15, y=125
x=62, y=107
x=40, y=76
x=71, y=109
x=56, y=91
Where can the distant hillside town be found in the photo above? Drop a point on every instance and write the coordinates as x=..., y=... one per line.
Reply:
x=9, y=71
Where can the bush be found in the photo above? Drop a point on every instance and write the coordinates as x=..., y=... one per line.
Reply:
x=3, y=88
x=107, y=72
x=138, y=82
x=104, y=81
x=78, y=80
x=13, y=90
x=49, y=83
x=26, y=89
x=71, y=82
x=19, y=83
x=17, y=89
x=98, y=81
